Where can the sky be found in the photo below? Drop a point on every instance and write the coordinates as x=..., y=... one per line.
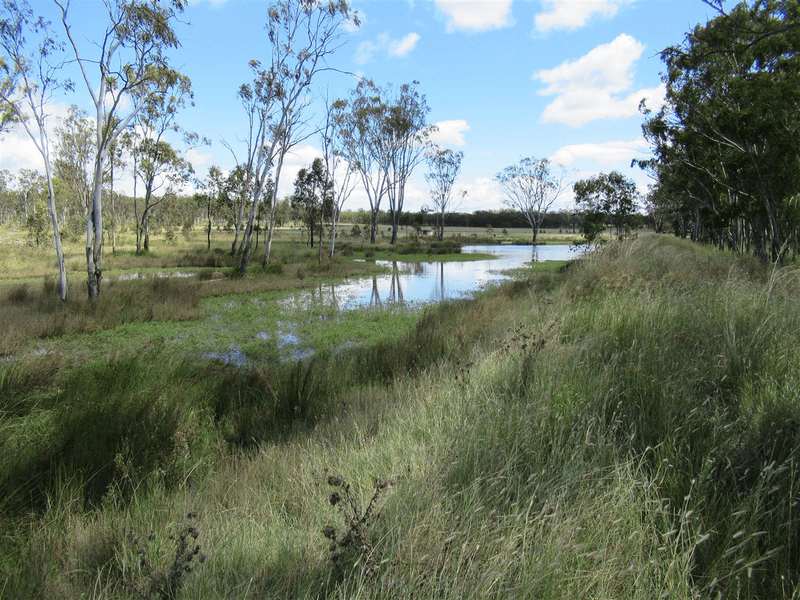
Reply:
x=504, y=79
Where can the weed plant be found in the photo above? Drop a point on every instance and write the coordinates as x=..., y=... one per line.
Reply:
x=625, y=429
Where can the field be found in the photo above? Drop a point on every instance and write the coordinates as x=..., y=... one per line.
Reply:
x=625, y=426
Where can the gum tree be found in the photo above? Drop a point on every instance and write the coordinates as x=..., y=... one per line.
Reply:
x=409, y=138
x=444, y=165
x=29, y=64
x=123, y=67
x=361, y=121
x=340, y=174
x=532, y=187
x=603, y=198
x=303, y=34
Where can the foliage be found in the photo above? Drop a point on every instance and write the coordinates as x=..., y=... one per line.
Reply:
x=603, y=198
x=726, y=161
x=444, y=166
x=133, y=40
x=312, y=201
x=532, y=187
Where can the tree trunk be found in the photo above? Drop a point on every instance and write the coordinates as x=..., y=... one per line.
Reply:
x=265, y=262
x=94, y=234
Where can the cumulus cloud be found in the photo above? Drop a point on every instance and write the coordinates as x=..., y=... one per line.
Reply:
x=451, y=133
x=393, y=47
x=475, y=15
x=17, y=150
x=614, y=154
x=574, y=14
x=596, y=86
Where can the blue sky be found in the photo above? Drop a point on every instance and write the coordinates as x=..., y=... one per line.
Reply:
x=505, y=79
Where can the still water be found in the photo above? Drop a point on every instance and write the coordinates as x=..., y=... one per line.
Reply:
x=426, y=282
x=291, y=325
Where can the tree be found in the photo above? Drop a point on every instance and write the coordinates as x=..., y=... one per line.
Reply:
x=132, y=67
x=213, y=190
x=361, y=122
x=408, y=139
x=27, y=82
x=444, y=165
x=303, y=33
x=312, y=200
x=340, y=174
x=75, y=155
x=156, y=162
x=532, y=187
x=7, y=196
x=603, y=198
x=725, y=144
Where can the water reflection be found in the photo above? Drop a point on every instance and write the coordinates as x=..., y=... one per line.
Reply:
x=406, y=284
x=426, y=282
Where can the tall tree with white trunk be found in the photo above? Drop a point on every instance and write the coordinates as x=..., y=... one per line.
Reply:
x=30, y=62
x=303, y=34
x=124, y=64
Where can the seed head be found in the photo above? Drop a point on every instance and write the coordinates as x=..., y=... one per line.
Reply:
x=335, y=480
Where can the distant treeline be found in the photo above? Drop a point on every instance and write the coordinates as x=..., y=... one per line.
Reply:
x=565, y=220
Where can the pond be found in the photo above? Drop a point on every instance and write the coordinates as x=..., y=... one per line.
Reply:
x=426, y=282
x=273, y=326
x=344, y=314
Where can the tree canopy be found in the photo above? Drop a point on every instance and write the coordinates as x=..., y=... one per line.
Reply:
x=726, y=157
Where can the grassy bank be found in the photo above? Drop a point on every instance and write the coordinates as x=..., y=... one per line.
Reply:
x=625, y=429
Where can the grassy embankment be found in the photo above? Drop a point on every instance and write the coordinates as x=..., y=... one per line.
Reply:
x=628, y=429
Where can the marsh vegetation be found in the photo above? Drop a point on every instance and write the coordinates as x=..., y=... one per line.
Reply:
x=625, y=427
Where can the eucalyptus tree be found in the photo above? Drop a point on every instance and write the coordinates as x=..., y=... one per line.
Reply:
x=7, y=195
x=313, y=199
x=211, y=197
x=28, y=78
x=157, y=164
x=729, y=129
x=340, y=174
x=603, y=198
x=408, y=140
x=74, y=156
x=444, y=165
x=361, y=122
x=302, y=34
x=124, y=64
x=531, y=187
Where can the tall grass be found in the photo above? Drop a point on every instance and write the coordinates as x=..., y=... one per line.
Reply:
x=628, y=429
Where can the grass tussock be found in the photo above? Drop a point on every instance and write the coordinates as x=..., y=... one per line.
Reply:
x=628, y=428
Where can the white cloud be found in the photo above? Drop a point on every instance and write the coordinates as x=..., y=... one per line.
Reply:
x=17, y=150
x=596, y=85
x=402, y=47
x=392, y=47
x=613, y=154
x=475, y=15
x=451, y=133
x=482, y=193
x=573, y=14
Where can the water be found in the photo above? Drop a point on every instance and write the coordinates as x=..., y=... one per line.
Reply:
x=427, y=282
x=269, y=326
x=407, y=286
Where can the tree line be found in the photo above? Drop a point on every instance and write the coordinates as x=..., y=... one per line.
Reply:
x=376, y=136
x=726, y=162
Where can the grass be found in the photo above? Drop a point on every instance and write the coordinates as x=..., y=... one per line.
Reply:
x=624, y=428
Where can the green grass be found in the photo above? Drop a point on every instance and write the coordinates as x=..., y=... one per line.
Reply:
x=624, y=428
